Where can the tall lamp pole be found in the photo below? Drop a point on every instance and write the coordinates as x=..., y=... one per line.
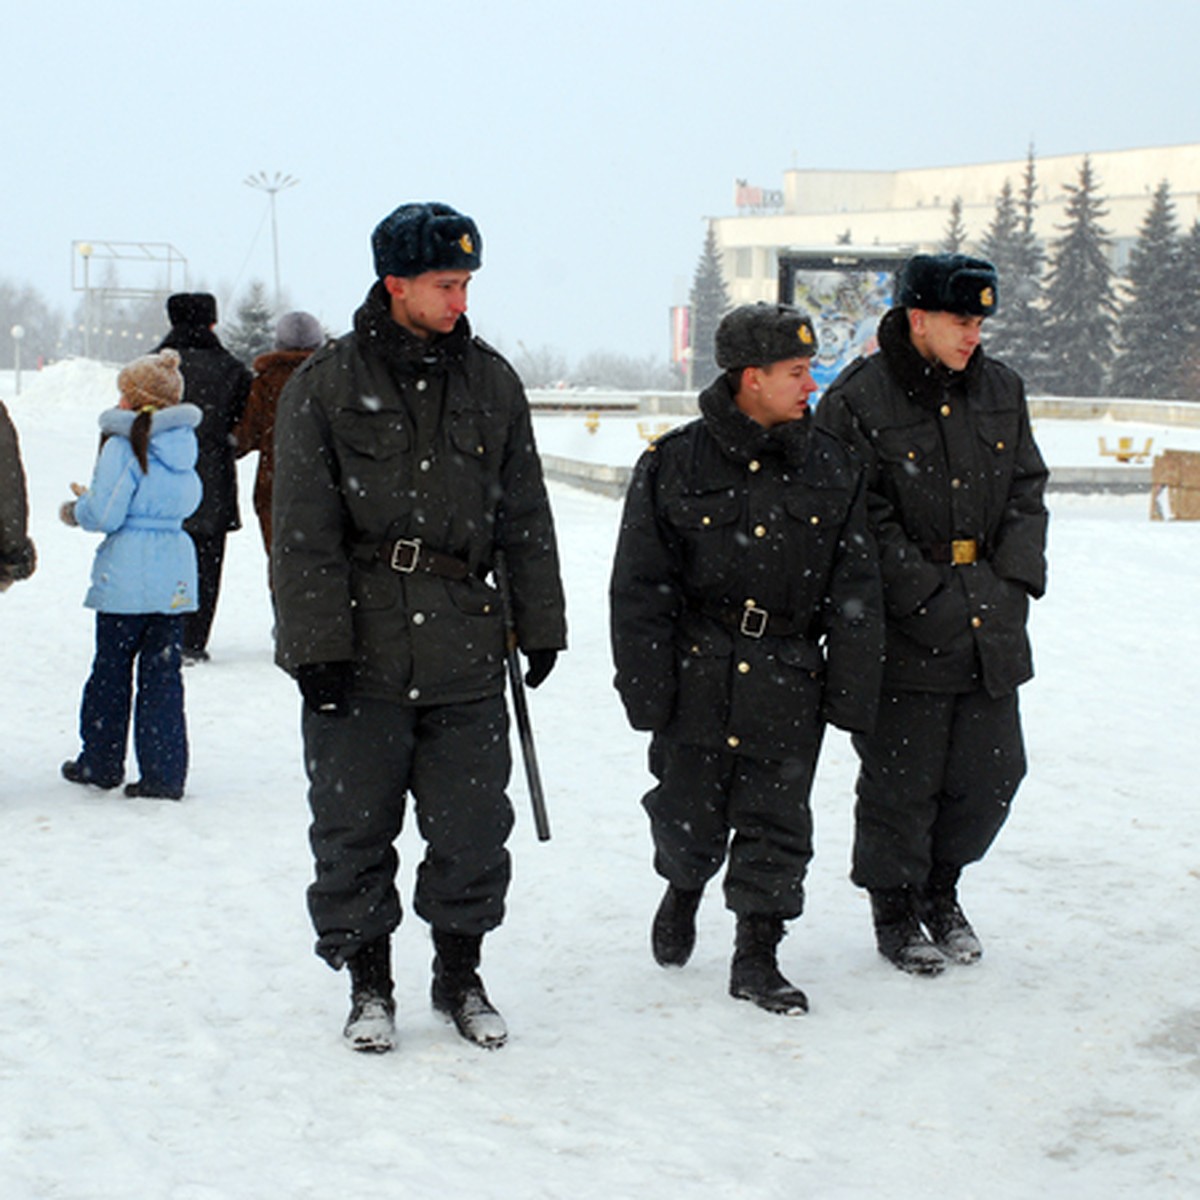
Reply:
x=271, y=184
x=18, y=332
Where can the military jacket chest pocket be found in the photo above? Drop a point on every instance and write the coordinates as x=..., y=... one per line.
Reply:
x=374, y=435
x=908, y=447
x=819, y=511
x=468, y=435
x=370, y=447
x=998, y=431
x=695, y=513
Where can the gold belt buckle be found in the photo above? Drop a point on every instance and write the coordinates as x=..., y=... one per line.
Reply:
x=963, y=551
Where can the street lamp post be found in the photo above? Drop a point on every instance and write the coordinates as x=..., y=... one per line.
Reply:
x=18, y=332
x=85, y=252
x=272, y=184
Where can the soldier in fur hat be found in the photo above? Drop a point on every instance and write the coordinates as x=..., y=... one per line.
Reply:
x=955, y=484
x=404, y=461
x=746, y=613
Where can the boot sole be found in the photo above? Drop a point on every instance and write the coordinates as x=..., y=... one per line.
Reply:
x=772, y=1004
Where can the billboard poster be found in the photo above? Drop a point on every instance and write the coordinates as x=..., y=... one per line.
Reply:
x=845, y=299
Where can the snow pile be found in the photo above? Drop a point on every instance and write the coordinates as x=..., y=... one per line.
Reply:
x=165, y=1030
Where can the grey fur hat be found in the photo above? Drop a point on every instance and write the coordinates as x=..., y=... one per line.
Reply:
x=298, y=331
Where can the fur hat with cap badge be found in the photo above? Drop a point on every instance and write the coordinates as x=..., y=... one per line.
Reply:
x=152, y=381
x=424, y=237
x=757, y=335
x=952, y=283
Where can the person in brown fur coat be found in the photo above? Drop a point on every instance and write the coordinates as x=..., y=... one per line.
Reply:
x=297, y=335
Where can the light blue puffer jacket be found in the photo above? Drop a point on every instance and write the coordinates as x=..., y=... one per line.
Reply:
x=146, y=564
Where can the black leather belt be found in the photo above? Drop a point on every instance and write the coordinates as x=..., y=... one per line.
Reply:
x=407, y=555
x=960, y=552
x=752, y=621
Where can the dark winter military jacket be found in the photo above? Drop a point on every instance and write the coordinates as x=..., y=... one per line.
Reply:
x=950, y=458
x=383, y=436
x=217, y=384
x=746, y=607
x=17, y=558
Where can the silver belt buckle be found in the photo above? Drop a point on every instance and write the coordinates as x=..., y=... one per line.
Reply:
x=405, y=554
x=754, y=621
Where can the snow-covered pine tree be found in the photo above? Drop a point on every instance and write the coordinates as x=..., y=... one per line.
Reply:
x=709, y=303
x=252, y=330
x=1150, y=350
x=1187, y=384
x=1081, y=304
x=956, y=232
x=1000, y=246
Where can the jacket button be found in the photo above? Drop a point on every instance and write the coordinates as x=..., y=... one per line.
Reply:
x=912, y=455
x=733, y=741
x=418, y=618
x=976, y=622
x=760, y=531
x=999, y=445
x=421, y=385
x=945, y=410
x=414, y=693
x=814, y=520
x=706, y=520
x=754, y=465
x=956, y=483
x=743, y=668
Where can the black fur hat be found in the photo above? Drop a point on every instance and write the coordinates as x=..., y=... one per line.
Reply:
x=192, y=308
x=756, y=335
x=950, y=283
x=425, y=237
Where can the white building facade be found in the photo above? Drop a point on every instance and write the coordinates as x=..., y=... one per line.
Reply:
x=909, y=210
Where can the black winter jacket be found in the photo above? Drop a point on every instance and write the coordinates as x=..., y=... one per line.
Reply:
x=722, y=513
x=217, y=384
x=17, y=556
x=949, y=456
x=381, y=435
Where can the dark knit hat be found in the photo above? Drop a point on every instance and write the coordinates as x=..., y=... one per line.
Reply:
x=425, y=237
x=950, y=283
x=756, y=335
x=152, y=381
x=192, y=308
x=298, y=331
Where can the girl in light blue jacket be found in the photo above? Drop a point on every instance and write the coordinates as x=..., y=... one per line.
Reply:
x=143, y=581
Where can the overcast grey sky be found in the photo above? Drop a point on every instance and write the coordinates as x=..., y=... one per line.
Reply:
x=589, y=141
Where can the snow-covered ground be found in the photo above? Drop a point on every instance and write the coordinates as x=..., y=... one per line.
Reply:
x=166, y=1032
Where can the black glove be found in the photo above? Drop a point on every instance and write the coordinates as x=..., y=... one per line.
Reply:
x=325, y=687
x=541, y=663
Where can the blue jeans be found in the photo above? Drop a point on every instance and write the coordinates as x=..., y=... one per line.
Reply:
x=159, y=728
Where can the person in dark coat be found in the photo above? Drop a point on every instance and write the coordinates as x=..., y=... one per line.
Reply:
x=955, y=483
x=297, y=335
x=217, y=384
x=404, y=462
x=746, y=613
x=18, y=558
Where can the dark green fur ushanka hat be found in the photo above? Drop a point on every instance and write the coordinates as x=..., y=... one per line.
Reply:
x=757, y=335
x=426, y=237
x=950, y=283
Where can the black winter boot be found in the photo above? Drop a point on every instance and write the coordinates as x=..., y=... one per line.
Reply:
x=673, y=934
x=899, y=936
x=371, y=1026
x=754, y=974
x=939, y=911
x=458, y=992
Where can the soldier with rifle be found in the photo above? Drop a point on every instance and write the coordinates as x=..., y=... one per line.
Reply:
x=405, y=460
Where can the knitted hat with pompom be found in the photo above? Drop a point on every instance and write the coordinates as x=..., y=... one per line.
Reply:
x=152, y=381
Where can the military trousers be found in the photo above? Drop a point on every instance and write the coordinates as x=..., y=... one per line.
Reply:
x=936, y=779
x=712, y=805
x=454, y=761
